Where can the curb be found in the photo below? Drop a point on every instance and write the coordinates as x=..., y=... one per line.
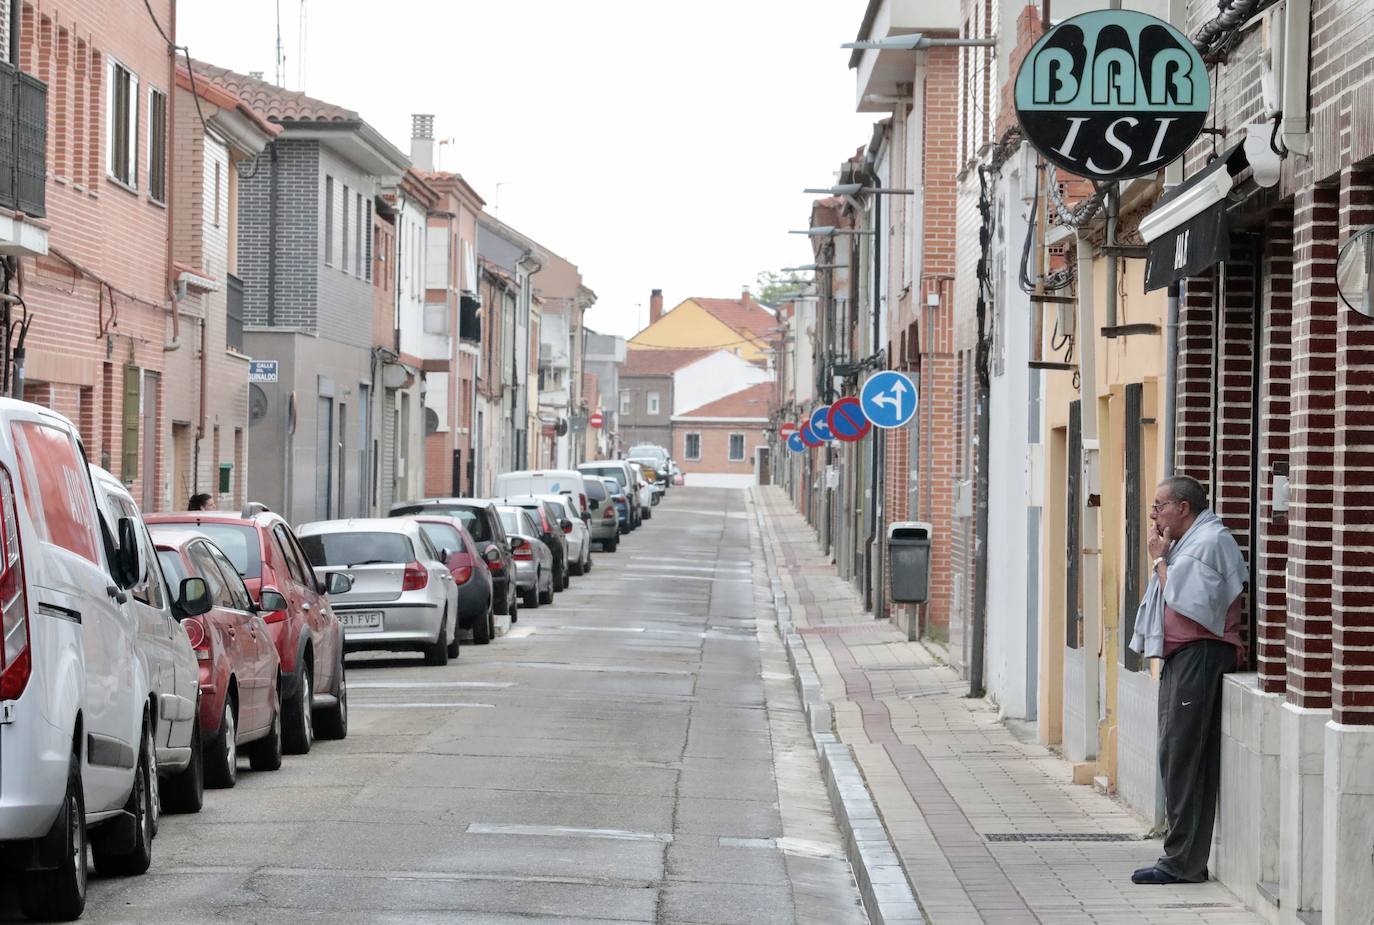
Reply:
x=883, y=884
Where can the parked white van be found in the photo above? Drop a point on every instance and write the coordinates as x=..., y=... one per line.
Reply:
x=168, y=659
x=543, y=482
x=76, y=708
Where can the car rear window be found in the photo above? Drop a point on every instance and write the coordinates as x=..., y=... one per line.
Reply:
x=173, y=568
x=596, y=489
x=612, y=472
x=348, y=549
x=240, y=543
x=444, y=537
x=474, y=520
x=513, y=522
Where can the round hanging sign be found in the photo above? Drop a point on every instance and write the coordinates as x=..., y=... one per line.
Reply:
x=1112, y=94
x=847, y=420
x=808, y=437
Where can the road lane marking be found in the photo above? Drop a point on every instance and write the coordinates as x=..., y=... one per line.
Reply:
x=421, y=685
x=798, y=847
x=604, y=629
x=746, y=581
x=520, y=632
x=422, y=706
x=619, y=669
x=565, y=831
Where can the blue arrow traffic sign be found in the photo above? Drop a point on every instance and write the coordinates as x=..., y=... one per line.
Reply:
x=794, y=442
x=889, y=399
x=819, y=427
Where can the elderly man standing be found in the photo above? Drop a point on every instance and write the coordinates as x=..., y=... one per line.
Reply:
x=1191, y=618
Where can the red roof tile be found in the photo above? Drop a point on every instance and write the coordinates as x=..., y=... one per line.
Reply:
x=748, y=318
x=749, y=402
x=645, y=361
x=273, y=102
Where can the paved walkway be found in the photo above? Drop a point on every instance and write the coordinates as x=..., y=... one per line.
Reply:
x=987, y=827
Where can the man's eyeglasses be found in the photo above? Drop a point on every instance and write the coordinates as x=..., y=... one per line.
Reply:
x=1161, y=504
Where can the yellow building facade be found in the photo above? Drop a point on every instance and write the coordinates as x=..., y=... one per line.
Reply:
x=738, y=325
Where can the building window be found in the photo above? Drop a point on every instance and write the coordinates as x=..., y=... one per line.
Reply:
x=626, y=402
x=157, y=145
x=653, y=403
x=691, y=446
x=358, y=237
x=343, y=239
x=329, y=221
x=737, y=448
x=121, y=125
x=218, y=180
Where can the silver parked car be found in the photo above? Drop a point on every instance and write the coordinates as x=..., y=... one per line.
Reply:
x=605, y=522
x=534, y=574
x=403, y=596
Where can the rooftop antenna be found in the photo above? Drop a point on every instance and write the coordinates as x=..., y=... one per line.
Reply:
x=281, y=55
x=300, y=51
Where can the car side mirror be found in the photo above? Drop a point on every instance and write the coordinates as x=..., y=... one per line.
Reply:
x=193, y=598
x=492, y=555
x=270, y=601
x=127, y=557
x=338, y=583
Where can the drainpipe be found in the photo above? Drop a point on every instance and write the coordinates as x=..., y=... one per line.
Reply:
x=168, y=175
x=1090, y=554
x=1113, y=210
x=1297, y=34
x=875, y=487
x=1170, y=378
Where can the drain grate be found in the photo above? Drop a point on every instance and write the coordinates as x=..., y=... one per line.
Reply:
x=1060, y=836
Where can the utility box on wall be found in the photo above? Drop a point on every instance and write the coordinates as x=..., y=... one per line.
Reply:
x=908, y=544
x=226, y=471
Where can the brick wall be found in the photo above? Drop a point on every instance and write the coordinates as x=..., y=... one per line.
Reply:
x=715, y=443
x=298, y=236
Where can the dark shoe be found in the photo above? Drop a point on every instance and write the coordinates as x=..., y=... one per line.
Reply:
x=1155, y=876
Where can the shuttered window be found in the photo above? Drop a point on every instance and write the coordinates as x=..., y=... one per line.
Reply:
x=128, y=445
x=121, y=124
x=157, y=149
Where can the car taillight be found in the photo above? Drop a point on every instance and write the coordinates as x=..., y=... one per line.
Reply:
x=462, y=573
x=195, y=633
x=520, y=549
x=568, y=528
x=609, y=513
x=16, y=658
x=582, y=499
x=416, y=577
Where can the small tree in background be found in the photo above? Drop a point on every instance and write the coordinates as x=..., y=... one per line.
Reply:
x=776, y=288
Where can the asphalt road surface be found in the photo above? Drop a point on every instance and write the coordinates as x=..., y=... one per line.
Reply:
x=633, y=753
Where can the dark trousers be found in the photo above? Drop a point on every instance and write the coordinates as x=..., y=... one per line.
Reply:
x=1190, y=752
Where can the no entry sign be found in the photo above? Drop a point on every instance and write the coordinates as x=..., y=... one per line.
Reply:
x=847, y=421
x=786, y=429
x=1112, y=94
x=596, y=420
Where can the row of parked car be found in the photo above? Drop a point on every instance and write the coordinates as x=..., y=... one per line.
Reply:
x=140, y=657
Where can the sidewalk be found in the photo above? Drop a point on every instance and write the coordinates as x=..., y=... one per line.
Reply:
x=986, y=827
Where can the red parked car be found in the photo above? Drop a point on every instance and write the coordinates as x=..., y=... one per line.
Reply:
x=476, y=604
x=303, y=627
x=239, y=700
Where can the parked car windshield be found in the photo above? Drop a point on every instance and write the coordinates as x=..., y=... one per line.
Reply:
x=357, y=548
x=513, y=522
x=443, y=537
x=240, y=544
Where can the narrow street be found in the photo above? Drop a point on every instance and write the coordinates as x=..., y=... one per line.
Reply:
x=633, y=753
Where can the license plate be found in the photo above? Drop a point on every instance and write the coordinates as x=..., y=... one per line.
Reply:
x=361, y=620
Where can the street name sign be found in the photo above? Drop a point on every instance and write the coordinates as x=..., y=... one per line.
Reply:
x=888, y=399
x=263, y=370
x=847, y=420
x=1112, y=94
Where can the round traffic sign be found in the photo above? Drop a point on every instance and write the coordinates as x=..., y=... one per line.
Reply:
x=819, y=427
x=808, y=437
x=794, y=442
x=786, y=429
x=888, y=399
x=596, y=420
x=847, y=421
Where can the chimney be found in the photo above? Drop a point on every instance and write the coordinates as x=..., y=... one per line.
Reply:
x=256, y=75
x=744, y=296
x=422, y=146
x=655, y=305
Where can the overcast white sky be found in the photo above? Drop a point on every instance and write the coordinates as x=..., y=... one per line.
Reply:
x=654, y=144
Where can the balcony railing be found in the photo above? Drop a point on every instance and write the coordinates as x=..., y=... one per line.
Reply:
x=23, y=142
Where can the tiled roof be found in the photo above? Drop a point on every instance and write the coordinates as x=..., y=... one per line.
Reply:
x=644, y=361
x=748, y=318
x=749, y=402
x=273, y=102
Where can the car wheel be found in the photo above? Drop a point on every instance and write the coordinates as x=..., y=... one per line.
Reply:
x=513, y=611
x=546, y=597
x=298, y=719
x=222, y=757
x=567, y=580
x=485, y=629
x=60, y=895
x=610, y=545
x=265, y=753
x=530, y=599
x=454, y=645
x=436, y=653
x=185, y=792
x=130, y=857
x=647, y=513
x=332, y=723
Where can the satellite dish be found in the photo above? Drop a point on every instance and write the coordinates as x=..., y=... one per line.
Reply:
x=431, y=421
x=257, y=403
